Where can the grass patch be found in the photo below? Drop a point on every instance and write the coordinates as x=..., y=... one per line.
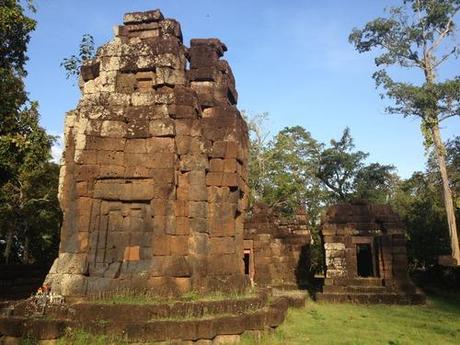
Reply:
x=146, y=298
x=437, y=322
x=79, y=337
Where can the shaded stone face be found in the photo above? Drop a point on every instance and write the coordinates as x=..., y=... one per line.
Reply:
x=154, y=171
x=276, y=248
x=364, y=246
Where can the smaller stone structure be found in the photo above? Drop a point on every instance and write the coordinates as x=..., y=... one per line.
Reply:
x=366, y=256
x=276, y=248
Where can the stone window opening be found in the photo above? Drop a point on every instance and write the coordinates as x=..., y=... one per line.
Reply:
x=366, y=260
x=246, y=258
x=248, y=261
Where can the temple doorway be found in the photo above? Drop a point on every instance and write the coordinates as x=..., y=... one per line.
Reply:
x=365, y=260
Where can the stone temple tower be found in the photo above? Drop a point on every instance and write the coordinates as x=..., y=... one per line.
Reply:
x=153, y=182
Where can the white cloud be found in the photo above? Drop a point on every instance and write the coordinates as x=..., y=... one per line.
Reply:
x=57, y=148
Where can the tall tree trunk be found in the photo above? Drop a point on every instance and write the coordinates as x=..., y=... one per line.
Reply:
x=26, y=256
x=448, y=201
x=9, y=244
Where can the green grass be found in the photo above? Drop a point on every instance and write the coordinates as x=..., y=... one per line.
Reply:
x=126, y=297
x=437, y=322
x=79, y=337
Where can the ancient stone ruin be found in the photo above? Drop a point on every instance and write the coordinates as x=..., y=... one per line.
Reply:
x=365, y=255
x=276, y=248
x=153, y=179
x=154, y=193
x=153, y=188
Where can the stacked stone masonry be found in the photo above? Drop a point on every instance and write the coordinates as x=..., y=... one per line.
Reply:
x=277, y=248
x=153, y=183
x=365, y=255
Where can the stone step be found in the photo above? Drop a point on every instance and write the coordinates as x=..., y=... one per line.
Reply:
x=205, y=328
x=343, y=281
x=133, y=312
x=354, y=289
x=296, y=298
x=366, y=282
x=370, y=298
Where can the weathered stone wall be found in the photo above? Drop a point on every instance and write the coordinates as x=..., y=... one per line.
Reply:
x=279, y=247
x=153, y=178
x=347, y=225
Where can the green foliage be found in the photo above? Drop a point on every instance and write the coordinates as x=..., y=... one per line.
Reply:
x=418, y=201
x=412, y=37
x=86, y=52
x=293, y=169
x=80, y=337
x=15, y=29
x=419, y=35
x=28, y=182
x=453, y=167
x=290, y=180
x=346, y=176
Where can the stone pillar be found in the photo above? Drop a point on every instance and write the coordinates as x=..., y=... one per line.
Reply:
x=144, y=206
x=225, y=133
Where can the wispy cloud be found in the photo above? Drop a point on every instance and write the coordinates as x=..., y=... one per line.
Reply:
x=57, y=148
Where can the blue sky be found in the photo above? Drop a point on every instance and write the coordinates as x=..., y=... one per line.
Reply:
x=290, y=58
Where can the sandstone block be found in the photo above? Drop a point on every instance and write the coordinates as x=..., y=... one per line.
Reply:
x=162, y=128
x=198, y=209
x=198, y=192
x=113, y=129
x=159, y=145
x=182, y=225
x=222, y=245
x=216, y=165
x=214, y=179
x=110, y=158
x=161, y=245
x=179, y=245
x=193, y=162
x=131, y=253
x=142, y=17
x=171, y=27
x=219, y=149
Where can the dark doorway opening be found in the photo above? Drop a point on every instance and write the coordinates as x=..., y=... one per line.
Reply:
x=365, y=260
x=246, y=259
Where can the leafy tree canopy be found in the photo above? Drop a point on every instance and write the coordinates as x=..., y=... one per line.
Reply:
x=419, y=34
x=24, y=144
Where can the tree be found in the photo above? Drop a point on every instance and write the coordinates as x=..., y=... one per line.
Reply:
x=15, y=29
x=86, y=52
x=346, y=176
x=257, y=162
x=24, y=145
x=453, y=167
x=294, y=169
x=290, y=181
x=417, y=200
x=419, y=35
